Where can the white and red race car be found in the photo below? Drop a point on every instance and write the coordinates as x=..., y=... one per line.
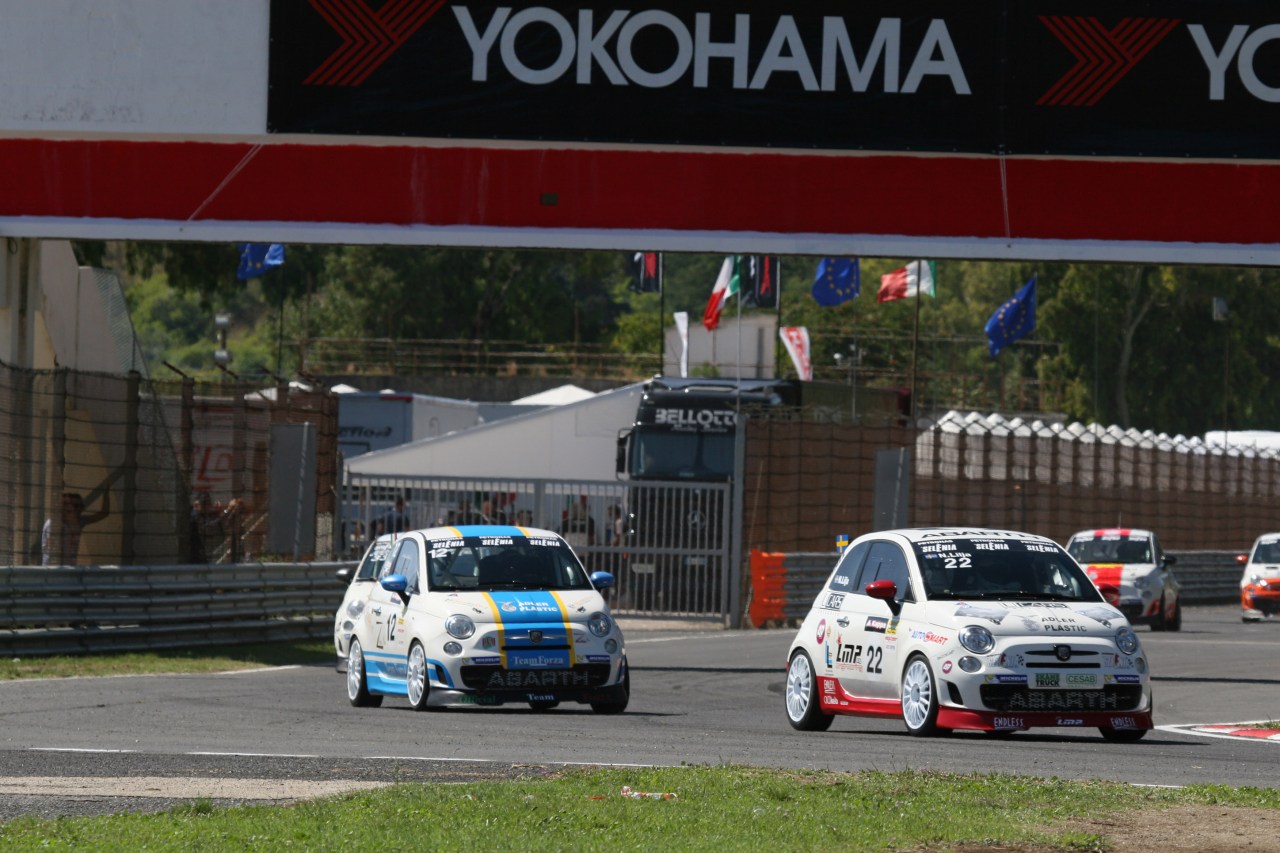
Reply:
x=971, y=628
x=1131, y=568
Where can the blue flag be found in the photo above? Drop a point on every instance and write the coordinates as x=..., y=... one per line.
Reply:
x=836, y=281
x=257, y=258
x=1014, y=319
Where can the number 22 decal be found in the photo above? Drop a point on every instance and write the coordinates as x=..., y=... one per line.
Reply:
x=963, y=561
x=875, y=655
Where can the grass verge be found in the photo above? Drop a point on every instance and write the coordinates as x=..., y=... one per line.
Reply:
x=714, y=808
x=191, y=659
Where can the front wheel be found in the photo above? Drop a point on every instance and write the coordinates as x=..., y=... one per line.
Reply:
x=621, y=696
x=1158, y=622
x=804, y=711
x=920, y=698
x=1122, y=735
x=416, y=677
x=357, y=681
x=1175, y=621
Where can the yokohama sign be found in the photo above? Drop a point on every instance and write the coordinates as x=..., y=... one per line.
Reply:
x=1181, y=79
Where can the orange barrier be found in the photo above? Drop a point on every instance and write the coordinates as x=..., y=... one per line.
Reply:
x=768, y=595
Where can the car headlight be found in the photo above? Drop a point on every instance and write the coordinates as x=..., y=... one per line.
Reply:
x=1255, y=579
x=1126, y=640
x=355, y=608
x=1144, y=583
x=459, y=626
x=977, y=639
x=600, y=624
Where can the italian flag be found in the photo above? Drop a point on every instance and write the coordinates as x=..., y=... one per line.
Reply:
x=914, y=279
x=726, y=286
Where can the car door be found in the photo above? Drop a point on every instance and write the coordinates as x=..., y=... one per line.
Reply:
x=388, y=611
x=868, y=651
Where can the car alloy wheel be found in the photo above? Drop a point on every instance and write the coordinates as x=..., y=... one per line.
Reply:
x=919, y=698
x=357, y=682
x=417, y=677
x=803, y=708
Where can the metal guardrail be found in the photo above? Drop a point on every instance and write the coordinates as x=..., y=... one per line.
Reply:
x=1207, y=577
x=71, y=610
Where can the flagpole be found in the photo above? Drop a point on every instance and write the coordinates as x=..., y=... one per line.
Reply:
x=777, y=290
x=662, y=319
x=915, y=336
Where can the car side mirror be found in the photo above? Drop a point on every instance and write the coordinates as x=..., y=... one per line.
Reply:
x=398, y=584
x=343, y=575
x=1169, y=559
x=886, y=591
x=602, y=580
x=1242, y=559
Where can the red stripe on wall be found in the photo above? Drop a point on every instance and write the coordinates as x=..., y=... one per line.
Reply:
x=935, y=196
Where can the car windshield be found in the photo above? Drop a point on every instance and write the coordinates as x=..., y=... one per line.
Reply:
x=1026, y=569
x=373, y=559
x=1110, y=548
x=1267, y=552
x=503, y=562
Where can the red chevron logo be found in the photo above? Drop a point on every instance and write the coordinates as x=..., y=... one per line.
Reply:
x=1103, y=56
x=368, y=37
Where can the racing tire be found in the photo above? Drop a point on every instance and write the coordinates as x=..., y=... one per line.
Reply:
x=1250, y=620
x=357, y=680
x=621, y=696
x=804, y=711
x=920, y=698
x=416, y=680
x=1122, y=735
x=1158, y=621
x=544, y=704
x=1175, y=621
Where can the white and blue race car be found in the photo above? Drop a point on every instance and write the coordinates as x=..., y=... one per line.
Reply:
x=483, y=615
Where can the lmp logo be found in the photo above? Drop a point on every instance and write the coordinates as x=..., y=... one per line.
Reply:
x=1103, y=56
x=368, y=37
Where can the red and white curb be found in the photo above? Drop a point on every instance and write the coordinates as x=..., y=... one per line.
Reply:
x=1258, y=730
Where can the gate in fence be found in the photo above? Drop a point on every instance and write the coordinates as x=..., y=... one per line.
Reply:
x=667, y=544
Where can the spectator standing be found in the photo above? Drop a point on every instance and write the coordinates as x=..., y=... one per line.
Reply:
x=397, y=521
x=62, y=547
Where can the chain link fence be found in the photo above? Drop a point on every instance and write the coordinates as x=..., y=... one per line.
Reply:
x=104, y=469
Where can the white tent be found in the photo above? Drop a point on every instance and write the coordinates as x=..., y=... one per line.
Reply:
x=555, y=396
x=574, y=441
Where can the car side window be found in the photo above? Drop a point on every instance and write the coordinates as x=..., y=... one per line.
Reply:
x=845, y=577
x=886, y=562
x=406, y=563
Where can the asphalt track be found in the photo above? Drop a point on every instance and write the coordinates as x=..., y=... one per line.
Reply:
x=100, y=745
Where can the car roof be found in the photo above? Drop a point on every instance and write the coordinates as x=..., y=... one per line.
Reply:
x=463, y=530
x=1095, y=532
x=927, y=534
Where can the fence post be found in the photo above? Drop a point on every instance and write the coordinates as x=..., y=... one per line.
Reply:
x=128, y=529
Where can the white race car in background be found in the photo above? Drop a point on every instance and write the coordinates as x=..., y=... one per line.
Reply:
x=1131, y=562
x=358, y=587
x=1260, y=583
x=483, y=615
x=982, y=629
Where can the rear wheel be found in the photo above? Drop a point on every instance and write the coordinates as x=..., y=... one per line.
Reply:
x=416, y=678
x=1122, y=735
x=804, y=711
x=920, y=698
x=357, y=681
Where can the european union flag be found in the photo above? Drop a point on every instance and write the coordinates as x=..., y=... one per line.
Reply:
x=1014, y=319
x=257, y=258
x=836, y=281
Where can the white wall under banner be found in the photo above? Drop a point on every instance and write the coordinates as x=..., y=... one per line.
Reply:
x=137, y=67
